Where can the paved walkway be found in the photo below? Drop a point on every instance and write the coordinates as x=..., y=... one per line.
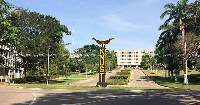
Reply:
x=139, y=79
x=93, y=81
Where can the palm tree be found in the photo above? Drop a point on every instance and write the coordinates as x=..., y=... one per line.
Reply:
x=177, y=14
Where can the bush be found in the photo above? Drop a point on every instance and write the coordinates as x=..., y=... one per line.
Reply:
x=128, y=69
x=35, y=78
x=92, y=73
x=117, y=82
x=18, y=80
x=124, y=72
x=120, y=78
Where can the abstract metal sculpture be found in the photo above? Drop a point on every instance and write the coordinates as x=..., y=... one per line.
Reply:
x=102, y=61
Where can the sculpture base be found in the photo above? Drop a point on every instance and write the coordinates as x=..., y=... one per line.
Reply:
x=101, y=84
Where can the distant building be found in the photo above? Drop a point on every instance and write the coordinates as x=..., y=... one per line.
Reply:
x=10, y=63
x=131, y=58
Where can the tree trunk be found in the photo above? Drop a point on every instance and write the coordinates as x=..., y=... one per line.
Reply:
x=153, y=67
x=165, y=73
x=172, y=75
x=168, y=73
x=185, y=72
x=176, y=77
x=156, y=71
x=182, y=29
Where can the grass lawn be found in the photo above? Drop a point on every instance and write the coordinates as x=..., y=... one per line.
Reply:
x=193, y=79
x=51, y=86
x=71, y=79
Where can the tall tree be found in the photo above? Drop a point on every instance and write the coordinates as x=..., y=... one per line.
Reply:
x=37, y=33
x=89, y=56
x=178, y=14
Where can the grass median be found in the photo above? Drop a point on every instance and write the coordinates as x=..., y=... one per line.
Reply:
x=50, y=86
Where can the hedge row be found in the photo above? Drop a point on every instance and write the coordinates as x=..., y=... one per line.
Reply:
x=39, y=79
x=120, y=78
x=124, y=72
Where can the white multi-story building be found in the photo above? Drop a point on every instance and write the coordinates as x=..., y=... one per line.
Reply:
x=10, y=63
x=131, y=58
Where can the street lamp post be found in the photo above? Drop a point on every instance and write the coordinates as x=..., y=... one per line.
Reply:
x=48, y=68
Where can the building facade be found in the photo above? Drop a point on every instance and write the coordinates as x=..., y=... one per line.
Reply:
x=10, y=63
x=131, y=58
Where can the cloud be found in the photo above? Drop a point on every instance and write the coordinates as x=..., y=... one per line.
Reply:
x=116, y=23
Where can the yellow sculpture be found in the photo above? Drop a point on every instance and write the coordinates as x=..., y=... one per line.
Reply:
x=103, y=41
x=102, y=61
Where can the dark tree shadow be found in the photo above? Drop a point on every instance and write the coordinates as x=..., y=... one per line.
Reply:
x=118, y=97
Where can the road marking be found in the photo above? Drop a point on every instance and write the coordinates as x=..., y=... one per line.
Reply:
x=35, y=97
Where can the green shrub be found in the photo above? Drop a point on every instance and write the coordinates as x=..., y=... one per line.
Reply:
x=117, y=82
x=92, y=73
x=119, y=77
x=124, y=72
x=128, y=69
x=18, y=80
x=34, y=78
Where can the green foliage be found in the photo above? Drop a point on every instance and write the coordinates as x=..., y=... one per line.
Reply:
x=145, y=64
x=18, y=80
x=35, y=79
x=89, y=58
x=124, y=72
x=182, y=25
x=31, y=34
x=8, y=32
x=120, y=78
x=111, y=60
x=117, y=82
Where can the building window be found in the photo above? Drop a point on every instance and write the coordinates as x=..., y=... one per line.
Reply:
x=136, y=55
x=136, y=52
x=136, y=59
x=129, y=59
x=129, y=55
x=123, y=55
x=123, y=52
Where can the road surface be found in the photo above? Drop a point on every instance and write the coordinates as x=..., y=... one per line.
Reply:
x=20, y=96
x=139, y=79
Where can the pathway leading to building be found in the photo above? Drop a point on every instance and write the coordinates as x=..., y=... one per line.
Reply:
x=139, y=79
x=93, y=81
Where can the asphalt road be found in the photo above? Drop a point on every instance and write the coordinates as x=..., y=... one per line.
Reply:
x=18, y=96
x=139, y=79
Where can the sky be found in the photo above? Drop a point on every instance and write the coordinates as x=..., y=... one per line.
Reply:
x=133, y=23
